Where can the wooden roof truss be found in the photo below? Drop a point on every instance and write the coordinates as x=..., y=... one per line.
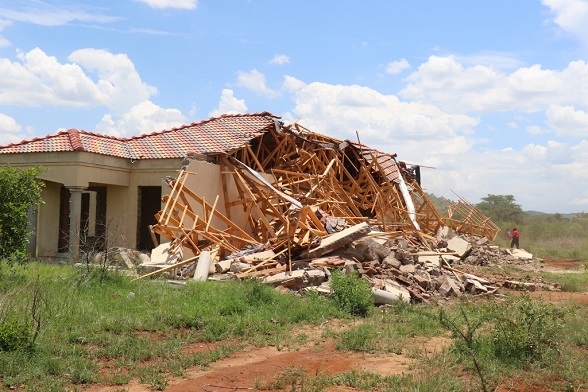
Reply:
x=464, y=217
x=282, y=178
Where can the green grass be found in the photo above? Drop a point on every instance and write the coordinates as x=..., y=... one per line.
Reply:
x=570, y=282
x=84, y=321
x=390, y=330
x=140, y=330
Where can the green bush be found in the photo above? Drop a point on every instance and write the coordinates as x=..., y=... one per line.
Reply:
x=352, y=294
x=19, y=191
x=14, y=336
x=525, y=330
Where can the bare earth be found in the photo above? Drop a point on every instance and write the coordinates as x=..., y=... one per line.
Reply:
x=252, y=367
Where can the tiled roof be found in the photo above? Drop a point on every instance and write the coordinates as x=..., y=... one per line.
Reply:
x=219, y=134
x=385, y=161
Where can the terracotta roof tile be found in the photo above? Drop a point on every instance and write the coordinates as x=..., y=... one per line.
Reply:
x=217, y=134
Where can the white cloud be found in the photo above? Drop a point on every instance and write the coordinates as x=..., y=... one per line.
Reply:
x=228, y=104
x=396, y=67
x=255, y=81
x=446, y=83
x=9, y=130
x=535, y=130
x=45, y=14
x=427, y=135
x=280, y=59
x=39, y=79
x=4, y=42
x=490, y=59
x=567, y=121
x=181, y=4
x=119, y=85
x=292, y=84
x=571, y=16
x=144, y=117
x=382, y=121
x=4, y=23
x=529, y=174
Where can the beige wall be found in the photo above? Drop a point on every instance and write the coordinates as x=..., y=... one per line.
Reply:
x=207, y=183
x=74, y=168
x=48, y=220
x=121, y=177
x=121, y=217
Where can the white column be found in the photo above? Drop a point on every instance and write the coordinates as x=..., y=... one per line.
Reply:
x=75, y=217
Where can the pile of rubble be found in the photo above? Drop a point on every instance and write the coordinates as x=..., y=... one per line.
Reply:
x=292, y=205
x=395, y=267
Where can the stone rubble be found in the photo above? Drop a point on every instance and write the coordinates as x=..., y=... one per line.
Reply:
x=396, y=268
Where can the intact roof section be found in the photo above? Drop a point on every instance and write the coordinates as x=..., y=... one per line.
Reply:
x=219, y=134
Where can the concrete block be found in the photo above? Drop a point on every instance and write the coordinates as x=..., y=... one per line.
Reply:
x=473, y=286
x=459, y=246
x=408, y=269
x=392, y=261
x=377, y=247
x=421, y=281
x=448, y=287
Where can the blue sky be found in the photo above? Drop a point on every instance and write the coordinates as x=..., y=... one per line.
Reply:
x=490, y=96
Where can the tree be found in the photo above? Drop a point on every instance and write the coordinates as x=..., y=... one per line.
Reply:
x=20, y=189
x=501, y=208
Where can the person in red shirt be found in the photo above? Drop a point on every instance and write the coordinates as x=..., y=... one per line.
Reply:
x=515, y=238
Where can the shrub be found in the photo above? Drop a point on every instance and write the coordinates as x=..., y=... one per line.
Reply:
x=525, y=330
x=352, y=294
x=14, y=336
x=19, y=191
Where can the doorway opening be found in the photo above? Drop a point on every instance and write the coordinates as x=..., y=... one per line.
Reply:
x=149, y=204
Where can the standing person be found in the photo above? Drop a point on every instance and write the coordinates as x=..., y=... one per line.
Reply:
x=508, y=235
x=515, y=238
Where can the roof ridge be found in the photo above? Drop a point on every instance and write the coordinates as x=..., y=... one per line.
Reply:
x=120, y=139
x=257, y=114
x=75, y=140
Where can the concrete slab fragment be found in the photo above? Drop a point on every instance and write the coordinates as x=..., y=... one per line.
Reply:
x=473, y=286
x=339, y=240
x=459, y=246
x=521, y=254
x=161, y=255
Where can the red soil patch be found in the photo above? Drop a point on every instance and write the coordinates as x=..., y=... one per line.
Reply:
x=254, y=367
x=564, y=264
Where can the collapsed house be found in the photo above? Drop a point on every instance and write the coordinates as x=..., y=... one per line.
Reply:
x=288, y=201
x=263, y=199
